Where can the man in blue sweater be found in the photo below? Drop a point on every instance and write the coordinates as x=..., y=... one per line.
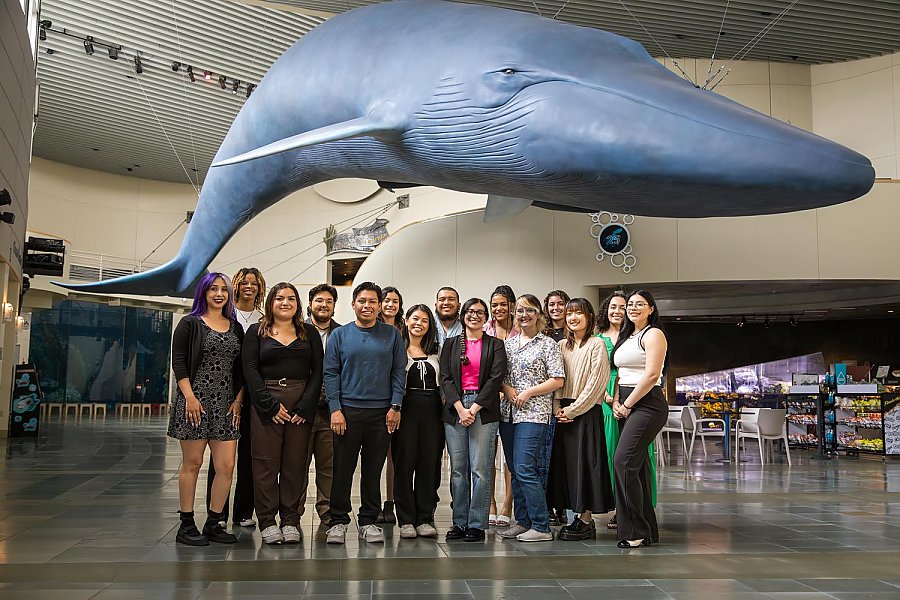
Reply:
x=365, y=381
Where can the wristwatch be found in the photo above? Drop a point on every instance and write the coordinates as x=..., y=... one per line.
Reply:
x=396, y=407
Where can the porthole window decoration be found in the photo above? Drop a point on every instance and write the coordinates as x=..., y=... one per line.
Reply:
x=614, y=239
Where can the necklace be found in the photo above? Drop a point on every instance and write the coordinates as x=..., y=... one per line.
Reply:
x=246, y=316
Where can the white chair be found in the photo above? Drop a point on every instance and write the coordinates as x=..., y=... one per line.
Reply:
x=703, y=428
x=770, y=426
x=676, y=424
x=746, y=422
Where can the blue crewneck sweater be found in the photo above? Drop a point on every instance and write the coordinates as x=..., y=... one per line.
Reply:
x=365, y=368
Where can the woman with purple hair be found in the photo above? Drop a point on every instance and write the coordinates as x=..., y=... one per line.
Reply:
x=206, y=358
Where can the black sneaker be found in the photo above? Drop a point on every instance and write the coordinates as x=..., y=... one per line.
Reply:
x=214, y=531
x=474, y=535
x=456, y=533
x=189, y=535
x=578, y=530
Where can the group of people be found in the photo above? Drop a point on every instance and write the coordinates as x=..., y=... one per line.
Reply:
x=574, y=397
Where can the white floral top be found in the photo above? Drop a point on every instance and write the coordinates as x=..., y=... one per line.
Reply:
x=531, y=364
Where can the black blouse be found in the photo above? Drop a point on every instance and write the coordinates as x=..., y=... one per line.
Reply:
x=267, y=358
x=421, y=376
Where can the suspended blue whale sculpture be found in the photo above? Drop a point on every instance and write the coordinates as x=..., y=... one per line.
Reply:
x=490, y=101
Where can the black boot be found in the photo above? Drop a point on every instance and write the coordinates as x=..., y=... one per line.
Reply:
x=387, y=513
x=188, y=533
x=215, y=532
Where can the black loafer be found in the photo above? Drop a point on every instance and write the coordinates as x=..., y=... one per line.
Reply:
x=626, y=545
x=578, y=530
x=456, y=533
x=474, y=535
x=216, y=533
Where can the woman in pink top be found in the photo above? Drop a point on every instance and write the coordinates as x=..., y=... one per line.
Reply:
x=473, y=365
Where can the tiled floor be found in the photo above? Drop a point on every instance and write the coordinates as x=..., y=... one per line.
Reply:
x=88, y=511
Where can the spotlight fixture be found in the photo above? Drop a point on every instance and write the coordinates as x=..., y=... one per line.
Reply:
x=43, y=34
x=5, y=198
x=766, y=323
x=250, y=88
x=792, y=322
x=207, y=75
x=235, y=85
x=221, y=81
x=190, y=72
x=45, y=23
x=138, y=65
x=89, y=46
x=742, y=322
x=175, y=66
x=113, y=52
x=8, y=217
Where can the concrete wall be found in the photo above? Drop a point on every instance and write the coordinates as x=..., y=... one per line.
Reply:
x=16, y=121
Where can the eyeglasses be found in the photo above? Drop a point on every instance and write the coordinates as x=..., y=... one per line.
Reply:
x=637, y=305
x=526, y=311
x=480, y=314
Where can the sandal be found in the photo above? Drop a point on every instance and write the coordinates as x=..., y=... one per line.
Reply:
x=492, y=520
x=612, y=523
x=502, y=521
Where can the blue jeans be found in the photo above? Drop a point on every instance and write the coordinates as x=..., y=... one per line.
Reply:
x=527, y=449
x=471, y=452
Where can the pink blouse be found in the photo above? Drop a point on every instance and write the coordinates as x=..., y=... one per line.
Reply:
x=471, y=371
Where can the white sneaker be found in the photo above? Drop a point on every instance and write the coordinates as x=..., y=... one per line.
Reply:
x=408, y=532
x=336, y=534
x=535, y=536
x=272, y=535
x=511, y=531
x=291, y=534
x=247, y=523
x=426, y=530
x=372, y=534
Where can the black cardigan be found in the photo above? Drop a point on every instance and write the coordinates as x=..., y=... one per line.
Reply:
x=490, y=378
x=266, y=406
x=187, y=350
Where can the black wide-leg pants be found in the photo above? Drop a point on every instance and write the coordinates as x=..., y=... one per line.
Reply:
x=634, y=497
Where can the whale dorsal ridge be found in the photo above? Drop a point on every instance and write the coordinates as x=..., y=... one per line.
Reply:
x=499, y=208
x=381, y=123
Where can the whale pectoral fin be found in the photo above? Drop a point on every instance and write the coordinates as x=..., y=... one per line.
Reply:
x=499, y=208
x=375, y=124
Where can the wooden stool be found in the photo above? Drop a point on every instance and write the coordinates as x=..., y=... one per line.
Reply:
x=145, y=409
x=54, y=406
x=89, y=406
x=73, y=405
x=98, y=408
x=122, y=408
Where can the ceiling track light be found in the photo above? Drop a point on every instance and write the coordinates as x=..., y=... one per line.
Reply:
x=742, y=322
x=250, y=88
x=222, y=81
x=89, y=46
x=138, y=65
x=175, y=66
x=113, y=52
x=207, y=75
x=190, y=72
x=235, y=85
x=43, y=34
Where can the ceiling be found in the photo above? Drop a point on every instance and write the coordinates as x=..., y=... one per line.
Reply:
x=758, y=302
x=98, y=113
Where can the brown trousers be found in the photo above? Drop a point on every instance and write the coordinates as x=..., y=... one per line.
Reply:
x=321, y=446
x=279, y=460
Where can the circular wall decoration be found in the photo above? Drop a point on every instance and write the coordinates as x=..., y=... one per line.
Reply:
x=346, y=191
x=614, y=239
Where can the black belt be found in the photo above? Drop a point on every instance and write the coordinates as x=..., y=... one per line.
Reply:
x=470, y=391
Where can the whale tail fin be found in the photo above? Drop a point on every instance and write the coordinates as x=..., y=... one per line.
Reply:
x=165, y=280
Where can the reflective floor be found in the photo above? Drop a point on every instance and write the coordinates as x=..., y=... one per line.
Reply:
x=88, y=511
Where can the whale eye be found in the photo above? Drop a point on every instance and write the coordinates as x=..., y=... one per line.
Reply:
x=508, y=71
